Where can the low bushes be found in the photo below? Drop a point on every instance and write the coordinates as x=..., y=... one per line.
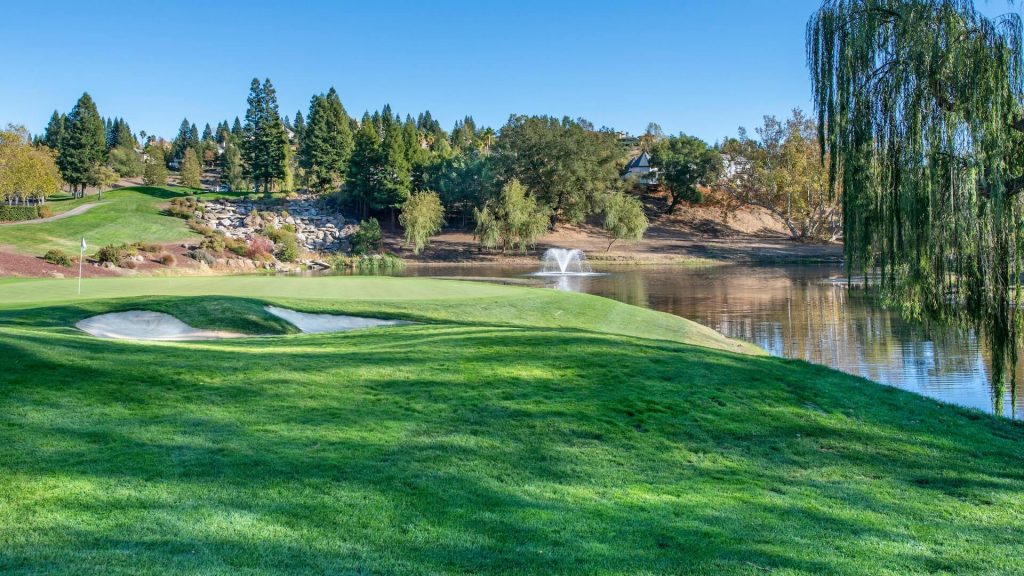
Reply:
x=285, y=242
x=18, y=213
x=260, y=248
x=288, y=248
x=59, y=257
x=200, y=255
x=184, y=208
x=116, y=255
x=369, y=264
x=148, y=248
x=168, y=259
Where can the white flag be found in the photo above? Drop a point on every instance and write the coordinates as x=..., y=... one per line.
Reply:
x=83, y=244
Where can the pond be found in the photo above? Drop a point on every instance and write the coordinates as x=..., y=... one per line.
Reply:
x=796, y=312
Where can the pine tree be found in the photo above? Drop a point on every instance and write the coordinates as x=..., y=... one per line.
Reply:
x=182, y=141
x=155, y=173
x=53, y=137
x=207, y=133
x=361, y=176
x=231, y=166
x=274, y=139
x=395, y=183
x=265, y=140
x=236, y=130
x=108, y=132
x=191, y=171
x=123, y=137
x=84, y=145
x=327, y=142
x=300, y=127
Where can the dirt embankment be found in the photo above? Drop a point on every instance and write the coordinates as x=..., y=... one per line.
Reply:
x=693, y=232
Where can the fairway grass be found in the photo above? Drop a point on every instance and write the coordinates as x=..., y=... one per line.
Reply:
x=510, y=431
x=126, y=215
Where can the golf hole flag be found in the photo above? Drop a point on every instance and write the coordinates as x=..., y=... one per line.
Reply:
x=81, y=261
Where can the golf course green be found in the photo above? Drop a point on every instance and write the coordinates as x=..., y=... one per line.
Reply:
x=507, y=430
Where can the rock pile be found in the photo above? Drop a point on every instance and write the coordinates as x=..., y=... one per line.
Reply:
x=245, y=219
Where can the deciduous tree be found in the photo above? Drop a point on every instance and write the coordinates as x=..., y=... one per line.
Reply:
x=684, y=163
x=422, y=217
x=919, y=108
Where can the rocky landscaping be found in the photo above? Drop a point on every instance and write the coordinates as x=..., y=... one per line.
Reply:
x=244, y=219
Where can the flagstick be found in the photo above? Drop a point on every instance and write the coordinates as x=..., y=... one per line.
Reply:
x=81, y=261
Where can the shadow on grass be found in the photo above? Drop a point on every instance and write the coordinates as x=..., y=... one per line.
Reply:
x=485, y=450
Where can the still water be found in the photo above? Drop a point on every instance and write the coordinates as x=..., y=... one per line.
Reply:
x=797, y=312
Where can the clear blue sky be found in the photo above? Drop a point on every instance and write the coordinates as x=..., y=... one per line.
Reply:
x=696, y=66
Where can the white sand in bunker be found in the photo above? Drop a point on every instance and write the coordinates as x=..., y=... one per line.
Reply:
x=324, y=323
x=145, y=325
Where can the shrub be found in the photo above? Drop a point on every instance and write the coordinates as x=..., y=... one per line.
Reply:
x=237, y=247
x=44, y=211
x=199, y=228
x=368, y=238
x=203, y=256
x=168, y=259
x=18, y=213
x=213, y=243
x=184, y=208
x=144, y=247
x=288, y=248
x=259, y=248
x=115, y=255
x=369, y=263
x=59, y=257
x=379, y=264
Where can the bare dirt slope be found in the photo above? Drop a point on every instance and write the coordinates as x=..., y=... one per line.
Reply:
x=702, y=231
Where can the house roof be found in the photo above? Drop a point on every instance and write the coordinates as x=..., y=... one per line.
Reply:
x=641, y=161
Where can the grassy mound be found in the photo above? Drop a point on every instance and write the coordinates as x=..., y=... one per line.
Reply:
x=127, y=215
x=515, y=431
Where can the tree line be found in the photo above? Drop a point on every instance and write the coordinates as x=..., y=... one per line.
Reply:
x=509, y=184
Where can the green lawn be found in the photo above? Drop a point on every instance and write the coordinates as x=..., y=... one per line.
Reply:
x=126, y=215
x=511, y=431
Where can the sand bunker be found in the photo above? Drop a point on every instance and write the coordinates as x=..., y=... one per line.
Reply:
x=143, y=325
x=323, y=323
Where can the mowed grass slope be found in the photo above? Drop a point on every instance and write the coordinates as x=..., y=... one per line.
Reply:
x=495, y=437
x=126, y=215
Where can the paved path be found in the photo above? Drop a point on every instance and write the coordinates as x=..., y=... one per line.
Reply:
x=73, y=212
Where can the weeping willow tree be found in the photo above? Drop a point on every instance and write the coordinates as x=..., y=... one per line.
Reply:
x=919, y=106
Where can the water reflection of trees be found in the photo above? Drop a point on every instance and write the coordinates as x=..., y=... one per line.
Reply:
x=795, y=314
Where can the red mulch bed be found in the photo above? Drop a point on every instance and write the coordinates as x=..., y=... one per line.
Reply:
x=35, y=267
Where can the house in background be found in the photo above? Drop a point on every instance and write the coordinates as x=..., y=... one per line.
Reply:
x=640, y=169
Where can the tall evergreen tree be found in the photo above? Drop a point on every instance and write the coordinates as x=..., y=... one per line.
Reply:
x=207, y=133
x=231, y=166
x=300, y=127
x=326, y=142
x=266, y=142
x=53, y=137
x=191, y=170
x=84, y=145
x=182, y=141
x=236, y=130
x=363, y=166
x=395, y=183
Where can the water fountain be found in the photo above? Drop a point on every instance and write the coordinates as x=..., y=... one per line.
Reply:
x=565, y=262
